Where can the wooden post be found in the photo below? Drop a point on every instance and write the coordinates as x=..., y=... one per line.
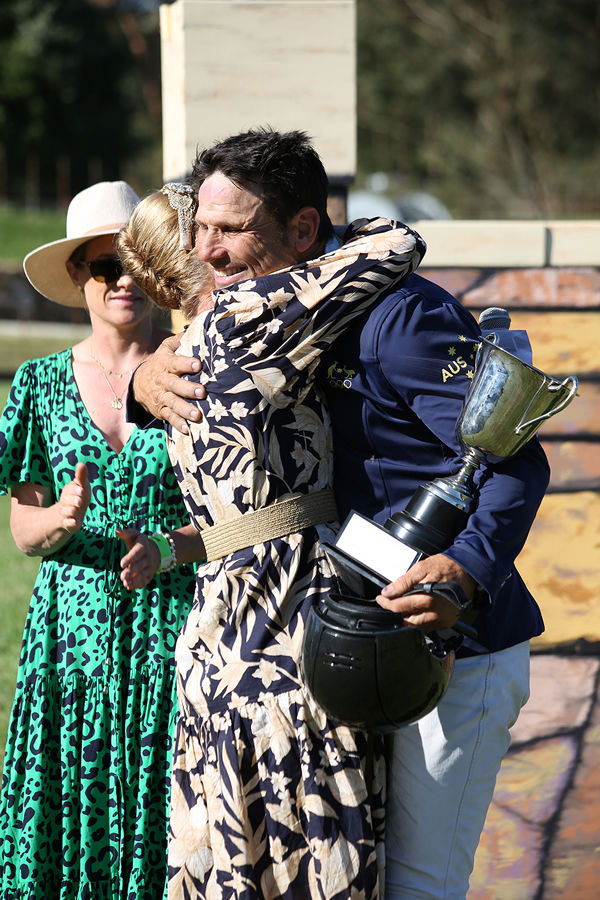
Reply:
x=228, y=66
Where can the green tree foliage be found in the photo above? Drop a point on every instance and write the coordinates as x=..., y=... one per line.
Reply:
x=492, y=105
x=70, y=94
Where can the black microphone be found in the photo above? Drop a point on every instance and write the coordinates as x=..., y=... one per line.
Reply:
x=494, y=318
x=496, y=321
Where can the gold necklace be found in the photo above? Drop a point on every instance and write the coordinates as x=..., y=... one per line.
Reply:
x=116, y=402
x=110, y=371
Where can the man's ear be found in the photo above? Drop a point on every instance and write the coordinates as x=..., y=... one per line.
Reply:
x=303, y=230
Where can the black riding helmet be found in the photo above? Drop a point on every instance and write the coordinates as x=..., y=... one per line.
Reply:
x=367, y=669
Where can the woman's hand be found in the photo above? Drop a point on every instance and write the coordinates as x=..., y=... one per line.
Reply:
x=74, y=500
x=140, y=564
x=39, y=525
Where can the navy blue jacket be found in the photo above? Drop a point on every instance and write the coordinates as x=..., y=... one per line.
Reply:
x=395, y=384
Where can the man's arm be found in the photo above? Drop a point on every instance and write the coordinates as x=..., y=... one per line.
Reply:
x=158, y=389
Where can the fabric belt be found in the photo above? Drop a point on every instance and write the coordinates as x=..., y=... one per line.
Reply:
x=273, y=521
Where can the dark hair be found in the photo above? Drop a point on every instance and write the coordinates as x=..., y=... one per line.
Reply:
x=282, y=168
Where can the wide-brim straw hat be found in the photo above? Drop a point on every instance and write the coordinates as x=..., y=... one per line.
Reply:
x=103, y=208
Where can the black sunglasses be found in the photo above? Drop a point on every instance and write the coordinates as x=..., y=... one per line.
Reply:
x=104, y=270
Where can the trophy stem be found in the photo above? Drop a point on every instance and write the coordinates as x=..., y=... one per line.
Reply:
x=472, y=460
x=439, y=510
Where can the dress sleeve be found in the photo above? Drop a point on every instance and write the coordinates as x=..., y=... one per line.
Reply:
x=23, y=454
x=279, y=325
x=426, y=351
x=135, y=412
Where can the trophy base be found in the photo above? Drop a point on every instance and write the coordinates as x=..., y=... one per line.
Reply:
x=435, y=513
x=380, y=554
x=372, y=581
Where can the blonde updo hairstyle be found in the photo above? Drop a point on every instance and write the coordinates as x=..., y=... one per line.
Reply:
x=149, y=250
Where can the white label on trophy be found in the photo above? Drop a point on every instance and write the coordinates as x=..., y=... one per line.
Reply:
x=375, y=547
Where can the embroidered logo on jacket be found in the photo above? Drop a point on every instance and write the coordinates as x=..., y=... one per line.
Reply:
x=458, y=364
x=339, y=376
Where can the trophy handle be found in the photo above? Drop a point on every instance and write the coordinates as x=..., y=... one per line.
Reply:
x=553, y=386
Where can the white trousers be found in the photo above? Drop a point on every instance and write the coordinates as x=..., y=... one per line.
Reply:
x=442, y=776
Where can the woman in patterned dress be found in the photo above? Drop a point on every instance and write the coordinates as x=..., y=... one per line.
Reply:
x=269, y=797
x=85, y=790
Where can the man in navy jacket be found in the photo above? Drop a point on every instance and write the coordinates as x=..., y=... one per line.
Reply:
x=395, y=382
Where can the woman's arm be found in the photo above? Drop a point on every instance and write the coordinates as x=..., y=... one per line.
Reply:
x=40, y=527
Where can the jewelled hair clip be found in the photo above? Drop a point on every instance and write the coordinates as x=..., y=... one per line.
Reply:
x=182, y=198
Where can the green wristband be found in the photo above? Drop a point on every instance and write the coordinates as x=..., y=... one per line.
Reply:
x=166, y=548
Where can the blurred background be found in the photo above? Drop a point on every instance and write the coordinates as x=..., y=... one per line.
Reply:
x=465, y=109
x=474, y=108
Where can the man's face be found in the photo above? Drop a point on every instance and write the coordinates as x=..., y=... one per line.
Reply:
x=236, y=236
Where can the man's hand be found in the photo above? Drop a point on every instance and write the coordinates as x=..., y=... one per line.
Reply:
x=159, y=387
x=429, y=612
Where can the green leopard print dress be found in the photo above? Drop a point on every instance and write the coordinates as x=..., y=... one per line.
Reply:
x=85, y=790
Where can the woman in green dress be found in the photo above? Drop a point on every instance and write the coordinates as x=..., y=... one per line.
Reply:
x=84, y=805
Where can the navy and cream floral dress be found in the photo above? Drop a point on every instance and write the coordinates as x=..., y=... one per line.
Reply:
x=85, y=790
x=269, y=797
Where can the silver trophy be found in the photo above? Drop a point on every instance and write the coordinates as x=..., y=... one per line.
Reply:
x=507, y=402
